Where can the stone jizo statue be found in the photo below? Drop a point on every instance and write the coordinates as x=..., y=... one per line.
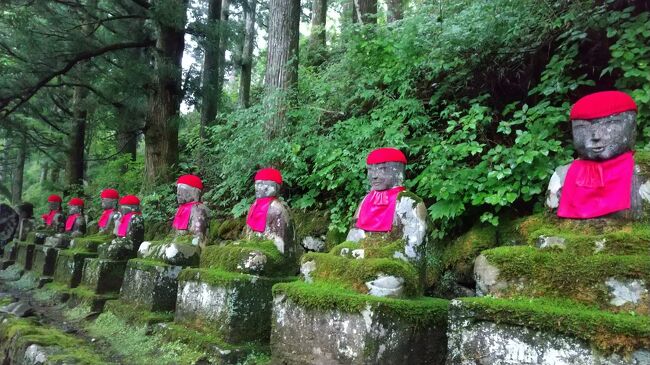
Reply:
x=192, y=215
x=75, y=224
x=54, y=220
x=129, y=229
x=26, y=223
x=604, y=181
x=106, y=221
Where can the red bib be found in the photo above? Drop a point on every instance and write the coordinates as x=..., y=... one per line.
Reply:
x=378, y=210
x=69, y=223
x=182, y=217
x=124, y=223
x=256, y=219
x=49, y=217
x=594, y=189
x=103, y=220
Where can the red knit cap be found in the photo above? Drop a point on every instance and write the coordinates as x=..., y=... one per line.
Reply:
x=76, y=202
x=381, y=155
x=269, y=174
x=109, y=194
x=191, y=180
x=54, y=199
x=130, y=200
x=602, y=104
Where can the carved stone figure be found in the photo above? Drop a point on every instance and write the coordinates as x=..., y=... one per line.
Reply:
x=26, y=220
x=604, y=181
x=106, y=222
x=54, y=220
x=269, y=216
x=129, y=229
x=75, y=224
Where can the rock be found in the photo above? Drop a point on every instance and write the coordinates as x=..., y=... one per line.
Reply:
x=386, y=286
x=550, y=241
x=627, y=291
x=487, y=277
x=311, y=243
x=19, y=309
x=36, y=355
x=306, y=269
x=8, y=222
x=173, y=253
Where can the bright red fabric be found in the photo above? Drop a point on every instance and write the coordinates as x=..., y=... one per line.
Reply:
x=54, y=199
x=593, y=189
x=256, y=218
x=69, y=223
x=182, y=217
x=123, y=228
x=602, y=104
x=388, y=154
x=109, y=194
x=191, y=180
x=49, y=217
x=378, y=210
x=76, y=202
x=269, y=174
x=129, y=200
x=103, y=220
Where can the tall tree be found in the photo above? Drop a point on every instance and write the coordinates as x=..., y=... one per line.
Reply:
x=317, y=38
x=394, y=10
x=247, y=53
x=210, y=79
x=161, y=130
x=365, y=11
x=19, y=171
x=282, y=59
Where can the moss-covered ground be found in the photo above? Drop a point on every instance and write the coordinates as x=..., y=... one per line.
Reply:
x=620, y=332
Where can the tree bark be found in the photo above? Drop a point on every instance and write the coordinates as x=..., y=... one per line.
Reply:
x=161, y=131
x=365, y=11
x=19, y=170
x=282, y=60
x=54, y=177
x=317, y=38
x=210, y=76
x=223, y=45
x=395, y=10
x=45, y=169
x=247, y=53
x=77, y=139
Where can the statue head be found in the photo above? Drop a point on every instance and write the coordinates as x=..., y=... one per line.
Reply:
x=75, y=206
x=54, y=202
x=385, y=168
x=129, y=203
x=109, y=198
x=267, y=183
x=603, y=125
x=188, y=189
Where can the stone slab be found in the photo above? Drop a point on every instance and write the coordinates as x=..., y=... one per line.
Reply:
x=103, y=275
x=45, y=260
x=25, y=255
x=150, y=285
x=69, y=267
x=237, y=307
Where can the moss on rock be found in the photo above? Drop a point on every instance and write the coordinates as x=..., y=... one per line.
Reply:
x=90, y=243
x=231, y=257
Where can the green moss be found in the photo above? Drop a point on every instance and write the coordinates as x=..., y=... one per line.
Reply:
x=135, y=315
x=206, y=340
x=90, y=243
x=218, y=277
x=155, y=231
x=212, y=235
x=232, y=255
x=24, y=332
x=31, y=237
x=562, y=274
x=336, y=250
x=146, y=264
x=312, y=223
x=328, y=296
x=231, y=229
x=607, y=331
x=6, y=300
x=353, y=273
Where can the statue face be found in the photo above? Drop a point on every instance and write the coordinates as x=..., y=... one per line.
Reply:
x=186, y=194
x=129, y=208
x=74, y=209
x=384, y=176
x=54, y=205
x=266, y=188
x=109, y=203
x=604, y=138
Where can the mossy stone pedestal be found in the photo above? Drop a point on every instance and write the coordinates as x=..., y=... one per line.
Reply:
x=150, y=285
x=69, y=267
x=25, y=254
x=324, y=324
x=9, y=255
x=103, y=276
x=45, y=260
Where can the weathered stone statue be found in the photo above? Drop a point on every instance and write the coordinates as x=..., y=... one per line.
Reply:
x=75, y=224
x=129, y=229
x=604, y=181
x=54, y=220
x=106, y=222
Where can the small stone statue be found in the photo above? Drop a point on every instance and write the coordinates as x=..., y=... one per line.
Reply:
x=54, y=220
x=269, y=216
x=129, y=229
x=75, y=224
x=106, y=222
x=26, y=216
x=604, y=181
x=388, y=209
x=192, y=215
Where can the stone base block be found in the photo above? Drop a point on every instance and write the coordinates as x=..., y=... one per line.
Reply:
x=69, y=267
x=488, y=331
x=12, y=273
x=45, y=260
x=81, y=296
x=235, y=306
x=25, y=255
x=150, y=285
x=324, y=324
x=103, y=275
